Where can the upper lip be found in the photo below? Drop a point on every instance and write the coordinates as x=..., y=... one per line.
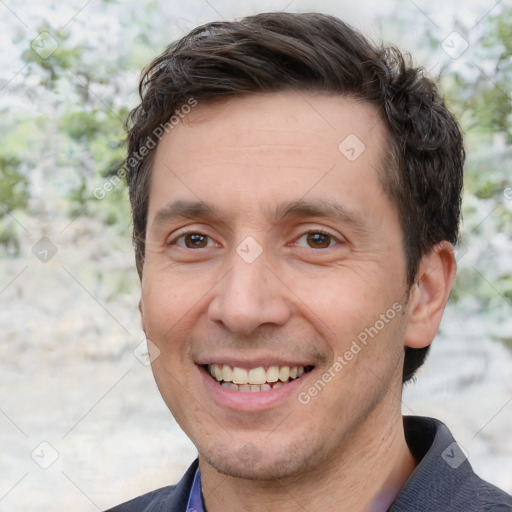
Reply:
x=255, y=362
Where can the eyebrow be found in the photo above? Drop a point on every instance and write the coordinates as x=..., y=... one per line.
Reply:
x=183, y=209
x=327, y=209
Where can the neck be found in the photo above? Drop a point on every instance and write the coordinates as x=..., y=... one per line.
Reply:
x=364, y=475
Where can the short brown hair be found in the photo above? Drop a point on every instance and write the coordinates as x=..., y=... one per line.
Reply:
x=274, y=52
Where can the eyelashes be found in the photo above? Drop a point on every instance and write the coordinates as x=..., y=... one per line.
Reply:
x=312, y=239
x=193, y=240
x=319, y=239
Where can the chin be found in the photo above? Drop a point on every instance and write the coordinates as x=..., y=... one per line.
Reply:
x=251, y=463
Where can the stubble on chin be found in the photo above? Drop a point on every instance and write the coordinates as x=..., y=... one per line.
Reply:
x=258, y=463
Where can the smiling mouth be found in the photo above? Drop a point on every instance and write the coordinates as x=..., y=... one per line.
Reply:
x=255, y=379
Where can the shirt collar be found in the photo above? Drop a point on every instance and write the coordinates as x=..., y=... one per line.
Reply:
x=195, y=500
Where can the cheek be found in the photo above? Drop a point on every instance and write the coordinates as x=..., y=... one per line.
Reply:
x=341, y=301
x=358, y=324
x=163, y=308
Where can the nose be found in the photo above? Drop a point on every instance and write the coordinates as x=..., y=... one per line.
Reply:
x=249, y=296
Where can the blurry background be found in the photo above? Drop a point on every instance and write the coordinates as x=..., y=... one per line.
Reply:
x=81, y=422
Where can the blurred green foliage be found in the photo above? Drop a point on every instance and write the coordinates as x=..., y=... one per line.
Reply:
x=13, y=185
x=485, y=273
x=492, y=107
x=13, y=195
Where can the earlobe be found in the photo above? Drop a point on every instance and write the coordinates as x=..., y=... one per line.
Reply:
x=429, y=295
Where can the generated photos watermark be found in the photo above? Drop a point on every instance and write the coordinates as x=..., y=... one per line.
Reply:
x=101, y=191
x=344, y=359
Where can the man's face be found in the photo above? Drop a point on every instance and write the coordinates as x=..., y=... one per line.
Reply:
x=271, y=243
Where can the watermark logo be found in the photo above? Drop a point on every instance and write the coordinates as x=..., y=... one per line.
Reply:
x=249, y=250
x=352, y=147
x=44, y=45
x=101, y=191
x=146, y=352
x=249, y=454
x=44, y=455
x=454, y=45
x=44, y=250
x=344, y=359
x=454, y=455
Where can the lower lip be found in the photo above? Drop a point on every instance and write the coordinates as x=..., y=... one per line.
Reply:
x=250, y=401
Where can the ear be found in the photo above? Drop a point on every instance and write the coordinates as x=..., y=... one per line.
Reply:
x=429, y=294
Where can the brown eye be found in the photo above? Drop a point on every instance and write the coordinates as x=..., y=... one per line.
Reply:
x=195, y=241
x=316, y=240
x=319, y=240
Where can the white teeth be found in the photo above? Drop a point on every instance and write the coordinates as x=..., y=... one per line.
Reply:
x=257, y=376
x=217, y=371
x=273, y=374
x=240, y=375
x=284, y=373
x=227, y=373
x=250, y=388
x=230, y=385
x=255, y=379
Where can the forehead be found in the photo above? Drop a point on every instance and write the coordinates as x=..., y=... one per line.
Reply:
x=297, y=116
x=269, y=148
